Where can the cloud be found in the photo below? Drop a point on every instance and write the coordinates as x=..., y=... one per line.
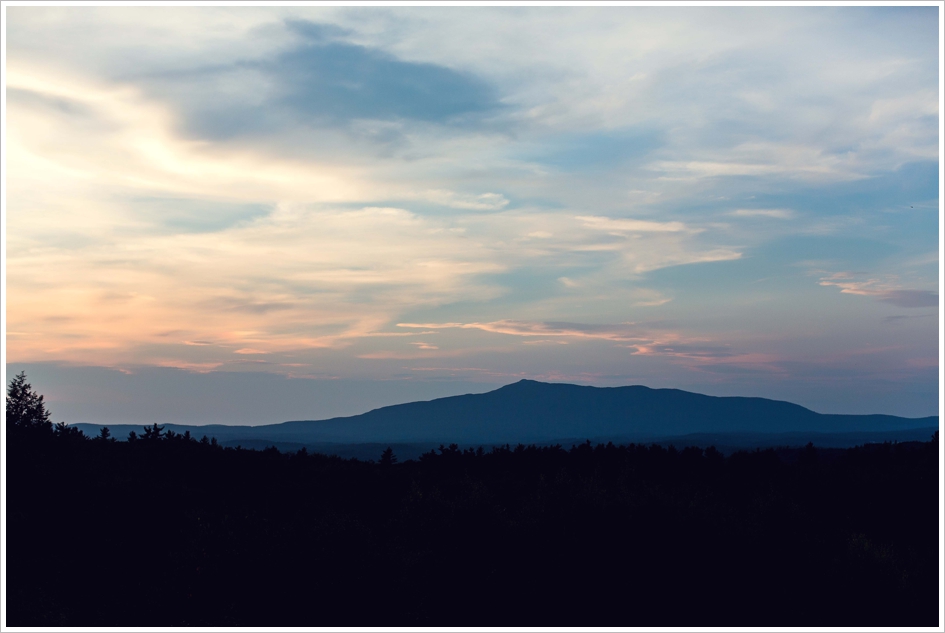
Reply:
x=778, y=160
x=622, y=332
x=350, y=81
x=627, y=226
x=297, y=278
x=689, y=351
x=780, y=214
x=322, y=80
x=303, y=276
x=127, y=145
x=911, y=298
x=644, y=339
x=421, y=355
x=480, y=202
x=655, y=300
x=186, y=215
x=882, y=291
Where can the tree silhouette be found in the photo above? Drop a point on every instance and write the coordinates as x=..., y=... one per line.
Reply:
x=388, y=458
x=153, y=433
x=25, y=408
x=63, y=431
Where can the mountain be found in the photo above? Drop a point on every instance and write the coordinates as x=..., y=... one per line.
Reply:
x=537, y=412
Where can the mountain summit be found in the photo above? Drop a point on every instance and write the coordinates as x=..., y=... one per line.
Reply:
x=531, y=411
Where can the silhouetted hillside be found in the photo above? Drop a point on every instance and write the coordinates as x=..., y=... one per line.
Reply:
x=170, y=531
x=536, y=412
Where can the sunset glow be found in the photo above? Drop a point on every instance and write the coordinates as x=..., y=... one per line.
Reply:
x=736, y=201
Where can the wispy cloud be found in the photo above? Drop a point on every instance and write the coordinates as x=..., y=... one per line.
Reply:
x=645, y=339
x=475, y=202
x=881, y=290
x=622, y=226
x=620, y=332
x=767, y=159
x=780, y=214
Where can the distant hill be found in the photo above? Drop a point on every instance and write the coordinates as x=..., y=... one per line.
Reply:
x=537, y=412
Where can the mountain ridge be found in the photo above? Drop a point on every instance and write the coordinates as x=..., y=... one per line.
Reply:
x=529, y=411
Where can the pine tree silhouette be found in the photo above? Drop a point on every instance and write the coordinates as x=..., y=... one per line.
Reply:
x=26, y=411
x=388, y=458
x=153, y=433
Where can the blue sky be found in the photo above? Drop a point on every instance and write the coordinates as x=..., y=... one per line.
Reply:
x=356, y=206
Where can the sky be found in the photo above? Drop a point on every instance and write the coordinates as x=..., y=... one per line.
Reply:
x=247, y=215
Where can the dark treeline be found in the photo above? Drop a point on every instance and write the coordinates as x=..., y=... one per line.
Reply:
x=169, y=530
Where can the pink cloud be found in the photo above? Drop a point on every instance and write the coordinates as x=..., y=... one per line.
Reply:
x=883, y=291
